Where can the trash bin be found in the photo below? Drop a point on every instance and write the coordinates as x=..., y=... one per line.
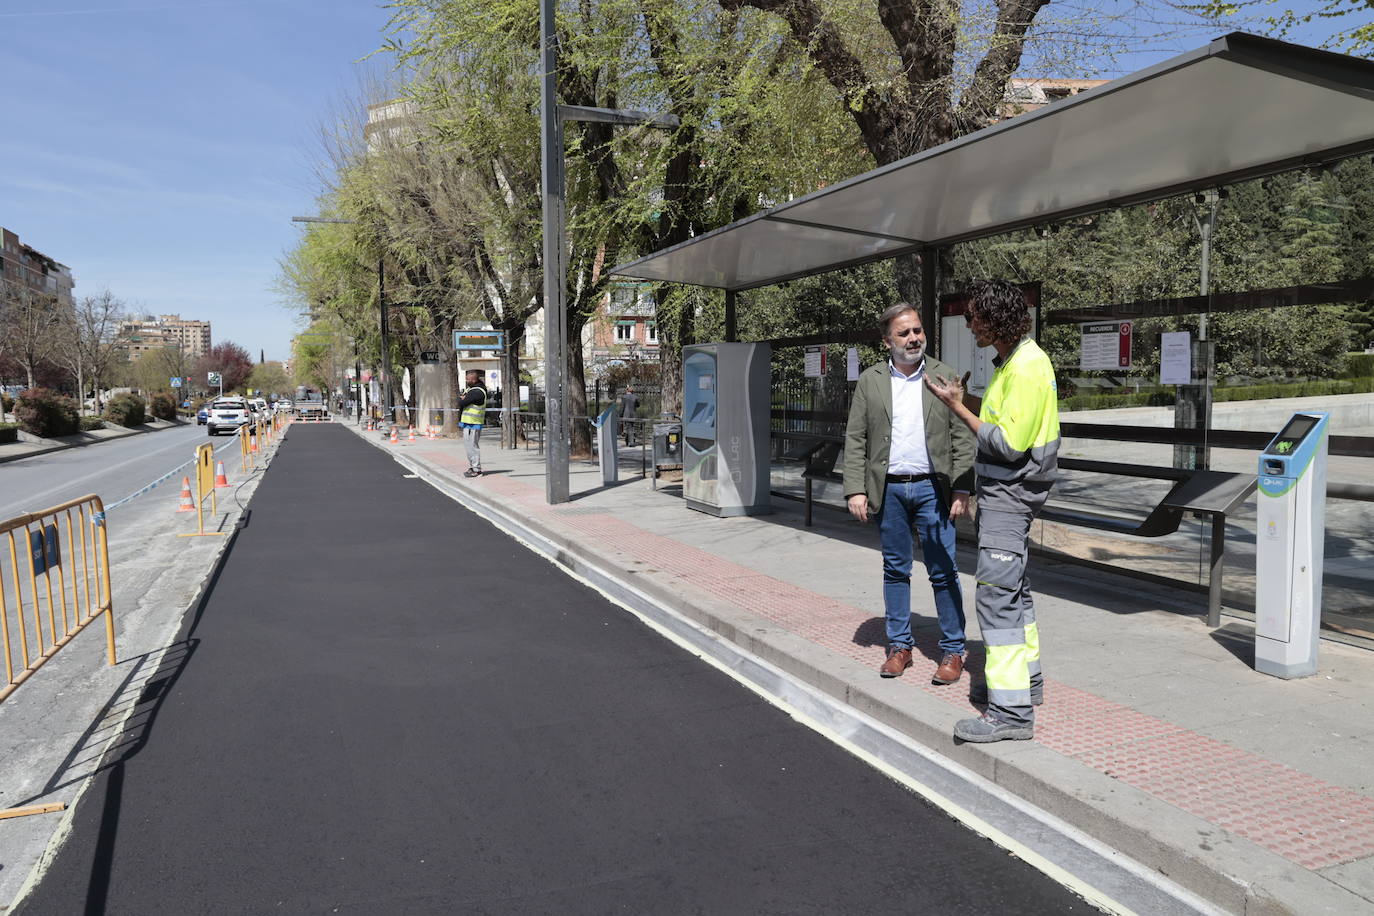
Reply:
x=667, y=444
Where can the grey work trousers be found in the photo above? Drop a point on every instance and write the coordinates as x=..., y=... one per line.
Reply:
x=1006, y=616
x=471, y=436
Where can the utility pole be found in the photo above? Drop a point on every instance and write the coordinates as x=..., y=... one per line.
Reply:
x=556, y=444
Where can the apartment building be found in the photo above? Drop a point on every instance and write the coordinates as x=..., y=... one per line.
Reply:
x=25, y=267
x=164, y=332
x=624, y=328
x=1026, y=94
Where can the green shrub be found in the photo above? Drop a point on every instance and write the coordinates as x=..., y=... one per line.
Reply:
x=43, y=412
x=126, y=410
x=163, y=406
x=9, y=432
x=1318, y=388
x=89, y=424
x=6, y=402
x=1358, y=365
x=1109, y=401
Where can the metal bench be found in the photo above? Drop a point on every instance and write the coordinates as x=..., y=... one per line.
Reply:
x=1213, y=493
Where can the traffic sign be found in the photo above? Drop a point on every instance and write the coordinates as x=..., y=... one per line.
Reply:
x=176, y=381
x=212, y=378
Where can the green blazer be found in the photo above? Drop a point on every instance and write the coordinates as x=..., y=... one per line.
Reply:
x=868, y=437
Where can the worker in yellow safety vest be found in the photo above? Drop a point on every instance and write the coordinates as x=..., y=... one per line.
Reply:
x=474, y=412
x=1015, y=465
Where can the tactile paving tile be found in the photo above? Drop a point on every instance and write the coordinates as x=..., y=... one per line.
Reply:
x=1316, y=825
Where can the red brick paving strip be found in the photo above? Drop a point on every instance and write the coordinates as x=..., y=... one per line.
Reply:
x=1316, y=824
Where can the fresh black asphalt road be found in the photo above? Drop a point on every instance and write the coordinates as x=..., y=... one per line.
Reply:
x=386, y=705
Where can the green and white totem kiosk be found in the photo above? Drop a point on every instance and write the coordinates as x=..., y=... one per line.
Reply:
x=1290, y=536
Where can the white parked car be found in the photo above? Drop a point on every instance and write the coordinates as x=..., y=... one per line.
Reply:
x=283, y=406
x=228, y=414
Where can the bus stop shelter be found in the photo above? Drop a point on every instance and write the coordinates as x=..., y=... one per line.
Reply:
x=1242, y=107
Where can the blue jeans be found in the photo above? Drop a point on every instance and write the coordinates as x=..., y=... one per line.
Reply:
x=917, y=509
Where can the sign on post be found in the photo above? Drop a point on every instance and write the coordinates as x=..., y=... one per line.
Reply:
x=1175, y=358
x=176, y=381
x=1106, y=345
x=479, y=340
x=212, y=378
x=815, y=362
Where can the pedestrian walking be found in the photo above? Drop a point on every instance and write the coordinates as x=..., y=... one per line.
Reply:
x=909, y=465
x=1016, y=462
x=629, y=410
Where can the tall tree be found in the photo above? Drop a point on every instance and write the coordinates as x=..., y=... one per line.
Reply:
x=31, y=328
x=87, y=341
x=230, y=360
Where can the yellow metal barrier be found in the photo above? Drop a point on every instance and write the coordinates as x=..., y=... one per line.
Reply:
x=204, y=485
x=246, y=446
x=61, y=585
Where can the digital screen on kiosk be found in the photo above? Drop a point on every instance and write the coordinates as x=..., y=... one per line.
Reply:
x=1293, y=434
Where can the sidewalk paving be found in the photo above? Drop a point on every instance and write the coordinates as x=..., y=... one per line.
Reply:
x=1157, y=737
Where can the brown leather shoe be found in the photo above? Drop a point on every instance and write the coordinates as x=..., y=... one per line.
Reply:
x=898, y=660
x=951, y=667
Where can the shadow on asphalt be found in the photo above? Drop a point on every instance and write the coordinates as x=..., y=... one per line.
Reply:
x=136, y=731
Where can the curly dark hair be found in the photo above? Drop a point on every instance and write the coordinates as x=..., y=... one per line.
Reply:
x=1003, y=308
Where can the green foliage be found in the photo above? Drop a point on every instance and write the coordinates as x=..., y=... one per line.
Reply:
x=1316, y=388
x=1164, y=397
x=9, y=432
x=1353, y=35
x=163, y=406
x=1359, y=365
x=43, y=412
x=90, y=424
x=126, y=410
x=6, y=402
x=1110, y=401
x=270, y=378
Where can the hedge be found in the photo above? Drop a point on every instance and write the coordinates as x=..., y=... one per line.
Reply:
x=89, y=424
x=9, y=432
x=1163, y=397
x=126, y=410
x=1358, y=365
x=45, y=413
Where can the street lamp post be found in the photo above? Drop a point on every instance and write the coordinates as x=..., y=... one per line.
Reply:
x=555, y=317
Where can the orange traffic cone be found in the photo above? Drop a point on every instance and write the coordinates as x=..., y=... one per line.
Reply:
x=187, y=503
x=429, y=433
x=394, y=437
x=220, y=479
x=412, y=435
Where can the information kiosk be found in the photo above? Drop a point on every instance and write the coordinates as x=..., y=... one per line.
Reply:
x=725, y=390
x=1290, y=536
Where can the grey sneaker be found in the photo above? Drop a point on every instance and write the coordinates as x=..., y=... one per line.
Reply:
x=984, y=729
x=978, y=695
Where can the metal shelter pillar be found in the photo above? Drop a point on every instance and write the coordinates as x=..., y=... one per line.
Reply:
x=930, y=318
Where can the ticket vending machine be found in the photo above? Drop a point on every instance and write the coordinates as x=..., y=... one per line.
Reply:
x=1290, y=536
x=725, y=389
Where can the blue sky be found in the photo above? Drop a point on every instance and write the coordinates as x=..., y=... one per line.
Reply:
x=161, y=149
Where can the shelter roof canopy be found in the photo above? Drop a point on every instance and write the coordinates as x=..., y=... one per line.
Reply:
x=1241, y=107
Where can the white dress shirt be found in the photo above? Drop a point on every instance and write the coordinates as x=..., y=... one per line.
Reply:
x=908, y=453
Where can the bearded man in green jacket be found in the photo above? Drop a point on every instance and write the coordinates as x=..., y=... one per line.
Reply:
x=908, y=464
